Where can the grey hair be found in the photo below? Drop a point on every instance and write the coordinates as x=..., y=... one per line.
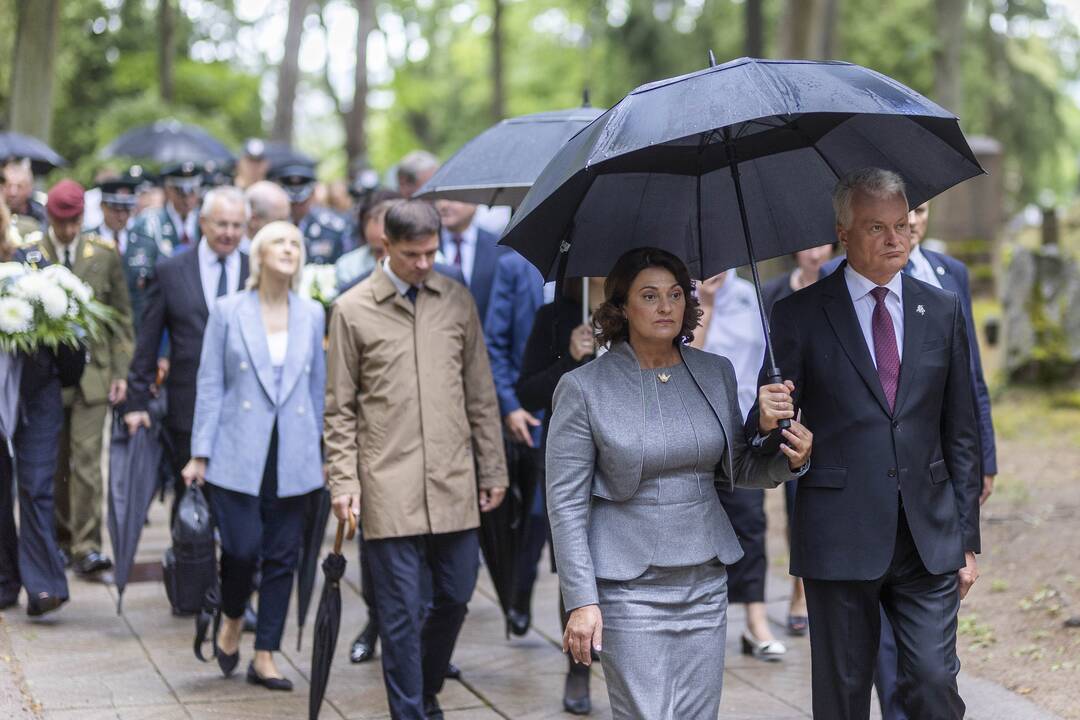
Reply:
x=416, y=164
x=873, y=181
x=260, y=200
x=271, y=232
x=221, y=194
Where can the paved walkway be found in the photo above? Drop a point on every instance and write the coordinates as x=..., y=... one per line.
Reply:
x=88, y=663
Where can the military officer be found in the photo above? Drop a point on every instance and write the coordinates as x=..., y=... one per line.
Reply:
x=175, y=227
x=325, y=232
x=78, y=484
x=27, y=214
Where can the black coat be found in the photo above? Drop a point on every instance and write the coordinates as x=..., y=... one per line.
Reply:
x=547, y=357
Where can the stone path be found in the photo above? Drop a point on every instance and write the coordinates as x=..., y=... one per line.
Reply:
x=88, y=663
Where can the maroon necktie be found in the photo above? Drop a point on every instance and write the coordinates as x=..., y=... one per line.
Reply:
x=457, y=240
x=885, y=349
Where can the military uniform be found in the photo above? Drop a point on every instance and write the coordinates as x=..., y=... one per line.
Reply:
x=29, y=222
x=325, y=236
x=78, y=483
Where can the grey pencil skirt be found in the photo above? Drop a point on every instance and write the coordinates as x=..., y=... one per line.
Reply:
x=663, y=642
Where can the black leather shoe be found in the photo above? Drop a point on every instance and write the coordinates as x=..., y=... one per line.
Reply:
x=363, y=647
x=92, y=564
x=453, y=672
x=9, y=601
x=518, y=621
x=38, y=606
x=432, y=711
x=576, y=699
x=251, y=619
x=228, y=663
x=269, y=683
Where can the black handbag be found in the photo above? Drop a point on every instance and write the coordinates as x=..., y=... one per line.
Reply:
x=190, y=565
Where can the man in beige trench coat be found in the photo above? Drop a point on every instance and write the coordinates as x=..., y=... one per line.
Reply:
x=414, y=446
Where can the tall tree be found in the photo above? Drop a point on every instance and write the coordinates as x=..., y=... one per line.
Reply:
x=356, y=117
x=809, y=29
x=166, y=50
x=34, y=67
x=754, y=22
x=498, y=84
x=289, y=73
x=951, y=18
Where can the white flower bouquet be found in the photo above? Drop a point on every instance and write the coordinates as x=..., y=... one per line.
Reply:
x=319, y=282
x=47, y=307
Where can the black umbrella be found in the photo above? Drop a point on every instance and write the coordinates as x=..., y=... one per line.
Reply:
x=498, y=166
x=133, y=475
x=315, y=516
x=328, y=619
x=168, y=141
x=279, y=154
x=698, y=164
x=42, y=157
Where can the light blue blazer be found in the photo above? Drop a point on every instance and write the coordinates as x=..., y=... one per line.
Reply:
x=237, y=399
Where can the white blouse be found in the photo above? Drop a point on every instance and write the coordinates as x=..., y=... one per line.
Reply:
x=279, y=344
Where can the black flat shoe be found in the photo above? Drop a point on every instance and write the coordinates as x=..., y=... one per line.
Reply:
x=576, y=699
x=254, y=678
x=38, y=606
x=432, y=711
x=767, y=650
x=228, y=663
x=92, y=564
x=518, y=622
x=453, y=672
x=363, y=647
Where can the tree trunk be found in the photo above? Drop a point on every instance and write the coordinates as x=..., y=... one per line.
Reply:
x=951, y=16
x=754, y=24
x=38, y=23
x=498, y=90
x=355, y=133
x=166, y=50
x=809, y=29
x=289, y=73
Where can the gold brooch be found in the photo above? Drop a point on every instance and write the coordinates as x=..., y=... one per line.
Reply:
x=663, y=377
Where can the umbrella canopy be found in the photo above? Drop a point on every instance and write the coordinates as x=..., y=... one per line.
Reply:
x=279, y=154
x=328, y=620
x=499, y=165
x=316, y=514
x=680, y=163
x=134, y=461
x=168, y=141
x=42, y=157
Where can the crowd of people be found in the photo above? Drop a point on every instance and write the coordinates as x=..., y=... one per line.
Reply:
x=447, y=370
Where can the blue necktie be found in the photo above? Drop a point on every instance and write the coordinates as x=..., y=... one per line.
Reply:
x=411, y=293
x=909, y=269
x=223, y=280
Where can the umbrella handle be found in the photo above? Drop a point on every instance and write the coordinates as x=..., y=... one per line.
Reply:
x=341, y=532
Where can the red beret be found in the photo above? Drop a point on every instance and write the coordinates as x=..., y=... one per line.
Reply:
x=65, y=200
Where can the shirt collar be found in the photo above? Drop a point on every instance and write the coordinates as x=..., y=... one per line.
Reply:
x=209, y=258
x=860, y=286
x=400, y=285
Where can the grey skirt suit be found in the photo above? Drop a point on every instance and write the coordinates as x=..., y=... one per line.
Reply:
x=632, y=460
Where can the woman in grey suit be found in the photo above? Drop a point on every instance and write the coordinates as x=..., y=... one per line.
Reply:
x=256, y=439
x=637, y=440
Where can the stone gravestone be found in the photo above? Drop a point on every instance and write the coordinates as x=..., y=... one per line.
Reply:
x=1042, y=315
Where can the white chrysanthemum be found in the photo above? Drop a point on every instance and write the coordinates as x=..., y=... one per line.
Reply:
x=54, y=301
x=31, y=285
x=16, y=315
x=11, y=269
x=73, y=308
x=69, y=281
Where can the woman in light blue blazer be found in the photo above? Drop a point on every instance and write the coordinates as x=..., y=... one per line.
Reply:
x=256, y=439
x=638, y=437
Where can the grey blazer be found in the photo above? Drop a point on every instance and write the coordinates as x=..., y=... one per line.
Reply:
x=595, y=452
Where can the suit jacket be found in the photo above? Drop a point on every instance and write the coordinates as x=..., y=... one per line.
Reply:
x=953, y=276
x=867, y=459
x=239, y=400
x=595, y=452
x=174, y=303
x=488, y=252
x=412, y=421
x=516, y=296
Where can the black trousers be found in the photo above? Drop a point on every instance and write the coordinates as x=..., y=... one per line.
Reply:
x=536, y=529
x=845, y=629
x=179, y=453
x=885, y=673
x=31, y=557
x=267, y=528
x=745, y=508
x=418, y=642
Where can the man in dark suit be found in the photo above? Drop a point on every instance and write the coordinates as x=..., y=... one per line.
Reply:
x=469, y=248
x=888, y=516
x=178, y=301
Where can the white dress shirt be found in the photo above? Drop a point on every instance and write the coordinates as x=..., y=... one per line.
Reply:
x=922, y=269
x=119, y=238
x=210, y=272
x=735, y=332
x=859, y=287
x=188, y=227
x=468, y=251
x=401, y=286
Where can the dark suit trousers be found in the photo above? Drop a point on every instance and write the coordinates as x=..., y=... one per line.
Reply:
x=885, y=673
x=179, y=454
x=745, y=508
x=32, y=558
x=417, y=641
x=845, y=629
x=267, y=528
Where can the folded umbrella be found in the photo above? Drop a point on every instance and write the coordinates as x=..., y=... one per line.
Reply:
x=328, y=620
x=316, y=513
x=168, y=141
x=42, y=157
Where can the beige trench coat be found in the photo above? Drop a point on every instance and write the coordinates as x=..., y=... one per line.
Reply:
x=412, y=420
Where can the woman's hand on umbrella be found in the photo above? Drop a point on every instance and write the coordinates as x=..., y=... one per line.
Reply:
x=584, y=633
x=582, y=342
x=798, y=442
x=194, y=471
x=491, y=498
x=775, y=404
x=347, y=504
x=135, y=420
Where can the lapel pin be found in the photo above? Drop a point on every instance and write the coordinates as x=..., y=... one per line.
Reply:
x=940, y=270
x=921, y=310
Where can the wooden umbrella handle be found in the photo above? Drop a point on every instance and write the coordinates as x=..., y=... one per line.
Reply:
x=341, y=532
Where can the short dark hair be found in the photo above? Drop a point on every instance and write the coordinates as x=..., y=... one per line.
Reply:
x=377, y=199
x=411, y=220
x=610, y=322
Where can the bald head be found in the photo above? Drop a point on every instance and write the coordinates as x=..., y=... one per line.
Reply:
x=266, y=203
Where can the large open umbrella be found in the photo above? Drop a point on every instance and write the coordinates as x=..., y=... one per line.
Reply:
x=732, y=164
x=42, y=157
x=168, y=141
x=316, y=513
x=328, y=619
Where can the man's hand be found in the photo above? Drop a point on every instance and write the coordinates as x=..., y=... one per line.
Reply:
x=162, y=370
x=968, y=574
x=799, y=441
x=491, y=498
x=194, y=472
x=775, y=404
x=344, y=505
x=988, y=488
x=135, y=420
x=582, y=342
x=117, y=392
x=584, y=633
x=519, y=424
